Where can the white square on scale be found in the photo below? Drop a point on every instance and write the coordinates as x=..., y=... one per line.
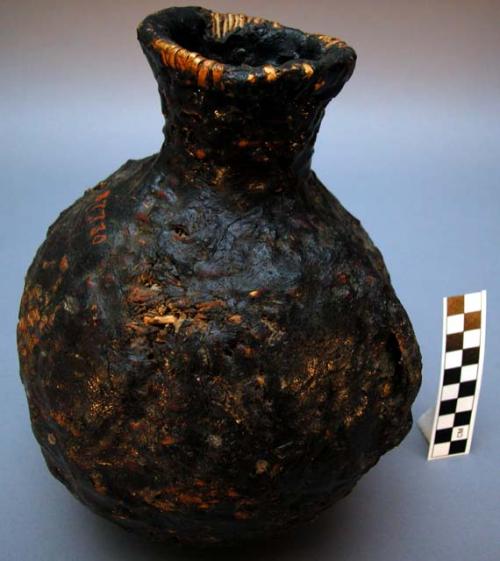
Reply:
x=455, y=324
x=460, y=433
x=472, y=338
x=453, y=359
x=472, y=302
x=441, y=449
x=445, y=421
x=464, y=403
x=450, y=391
x=468, y=373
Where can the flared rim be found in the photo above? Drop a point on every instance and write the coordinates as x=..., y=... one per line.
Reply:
x=161, y=34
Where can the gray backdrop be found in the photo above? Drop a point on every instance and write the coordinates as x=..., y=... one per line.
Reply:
x=410, y=147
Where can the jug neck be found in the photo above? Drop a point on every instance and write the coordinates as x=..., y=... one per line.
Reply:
x=241, y=96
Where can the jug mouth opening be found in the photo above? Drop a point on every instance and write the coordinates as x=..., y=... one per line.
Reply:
x=219, y=49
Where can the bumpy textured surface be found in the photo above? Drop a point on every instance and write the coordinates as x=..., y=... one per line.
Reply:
x=210, y=343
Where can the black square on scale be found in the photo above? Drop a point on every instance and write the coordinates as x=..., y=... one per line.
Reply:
x=443, y=435
x=470, y=356
x=454, y=341
x=451, y=376
x=458, y=446
x=462, y=418
x=448, y=406
x=467, y=388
